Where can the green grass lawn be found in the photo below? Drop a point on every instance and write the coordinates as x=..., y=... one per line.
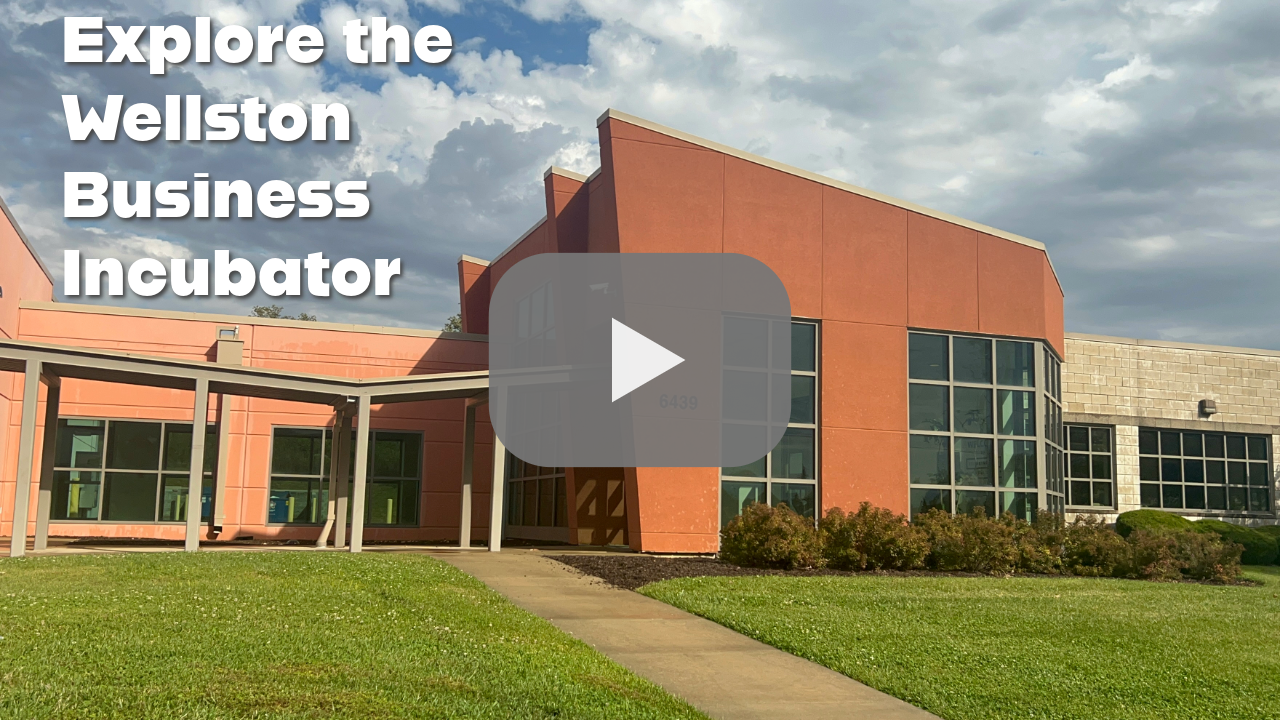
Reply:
x=978, y=648
x=290, y=635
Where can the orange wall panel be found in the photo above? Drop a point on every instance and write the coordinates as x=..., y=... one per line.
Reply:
x=776, y=218
x=864, y=376
x=1010, y=288
x=942, y=275
x=864, y=466
x=1053, y=310
x=669, y=199
x=473, y=301
x=864, y=259
x=534, y=243
x=620, y=130
x=675, y=503
x=566, y=202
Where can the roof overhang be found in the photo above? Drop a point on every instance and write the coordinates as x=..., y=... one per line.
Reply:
x=178, y=374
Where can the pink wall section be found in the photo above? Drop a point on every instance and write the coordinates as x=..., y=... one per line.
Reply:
x=318, y=351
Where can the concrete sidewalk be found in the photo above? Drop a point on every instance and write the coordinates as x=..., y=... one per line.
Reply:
x=718, y=671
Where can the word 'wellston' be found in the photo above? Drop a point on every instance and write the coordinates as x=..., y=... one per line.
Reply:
x=277, y=277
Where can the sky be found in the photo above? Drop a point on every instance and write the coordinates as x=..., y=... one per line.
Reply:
x=1137, y=139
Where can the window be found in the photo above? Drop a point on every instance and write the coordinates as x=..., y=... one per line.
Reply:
x=789, y=473
x=1054, y=435
x=1213, y=471
x=972, y=406
x=536, y=496
x=1090, y=467
x=300, y=458
x=128, y=471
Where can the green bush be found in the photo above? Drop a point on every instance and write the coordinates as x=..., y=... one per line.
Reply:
x=769, y=537
x=1259, y=549
x=1150, y=520
x=1202, y=556
x=1092, y=549
x=871, y=539
x=1164, y=555
x=970, y=543
x=879, y=539
x=1151, y=556
x=1040, y=543
x=1273, y=532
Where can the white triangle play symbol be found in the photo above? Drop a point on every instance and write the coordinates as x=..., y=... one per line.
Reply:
x=637, y=360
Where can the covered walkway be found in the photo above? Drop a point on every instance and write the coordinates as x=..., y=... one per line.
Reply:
x=46, y=365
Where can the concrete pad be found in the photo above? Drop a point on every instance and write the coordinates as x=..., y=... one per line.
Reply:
x=720, y=672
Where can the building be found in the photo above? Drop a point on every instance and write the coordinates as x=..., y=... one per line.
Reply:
x=931, y=369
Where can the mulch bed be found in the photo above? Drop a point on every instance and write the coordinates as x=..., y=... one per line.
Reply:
x=632, y=571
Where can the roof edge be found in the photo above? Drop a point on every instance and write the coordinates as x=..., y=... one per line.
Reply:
x=246, y=320
x=1172, y=344
x=519, y=240
x=471, y=259
x=26, y=241
x=829, y=182
x=554, y=170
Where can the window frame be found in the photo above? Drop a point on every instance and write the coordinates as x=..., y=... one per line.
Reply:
x=1046, y=394
x=1160, y=456
x=1090, y=452
x=160, y=472
x=326, y=435
x=559, y=493
x=770, y=479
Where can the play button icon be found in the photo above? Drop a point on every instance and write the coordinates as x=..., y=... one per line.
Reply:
x=637, y=360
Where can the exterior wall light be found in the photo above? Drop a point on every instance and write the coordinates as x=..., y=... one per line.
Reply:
x=1208, y=407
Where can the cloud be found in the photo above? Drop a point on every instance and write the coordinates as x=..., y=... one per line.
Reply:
x=1135, y=139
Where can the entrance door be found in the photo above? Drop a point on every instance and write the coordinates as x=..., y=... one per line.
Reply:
x=601, y=506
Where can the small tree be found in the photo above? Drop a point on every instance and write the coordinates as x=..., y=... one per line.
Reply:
x=453, y=324
x=276, y=312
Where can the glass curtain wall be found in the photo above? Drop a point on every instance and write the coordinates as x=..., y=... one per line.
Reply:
x=789, y=473
x=979, y=413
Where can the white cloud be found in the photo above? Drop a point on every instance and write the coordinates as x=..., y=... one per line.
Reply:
x=1080, y=124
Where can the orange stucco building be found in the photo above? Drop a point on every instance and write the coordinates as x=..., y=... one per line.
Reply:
x=876, y=282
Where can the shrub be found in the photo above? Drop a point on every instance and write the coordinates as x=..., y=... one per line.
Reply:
x=1151, y=556
x=871, y=539
x=970, y=543
x=1273, y=532
x=1092, y=549
x=1259, y=549
x=1203, y=556
x=769, y=537
x=1040, y=543
x=1164, y=555
x=1151, y=521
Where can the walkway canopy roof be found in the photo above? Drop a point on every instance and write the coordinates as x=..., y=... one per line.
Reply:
x=155, y=371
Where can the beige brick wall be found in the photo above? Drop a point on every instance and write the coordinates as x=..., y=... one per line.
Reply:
x=1143, y=379
x=1130, y=383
